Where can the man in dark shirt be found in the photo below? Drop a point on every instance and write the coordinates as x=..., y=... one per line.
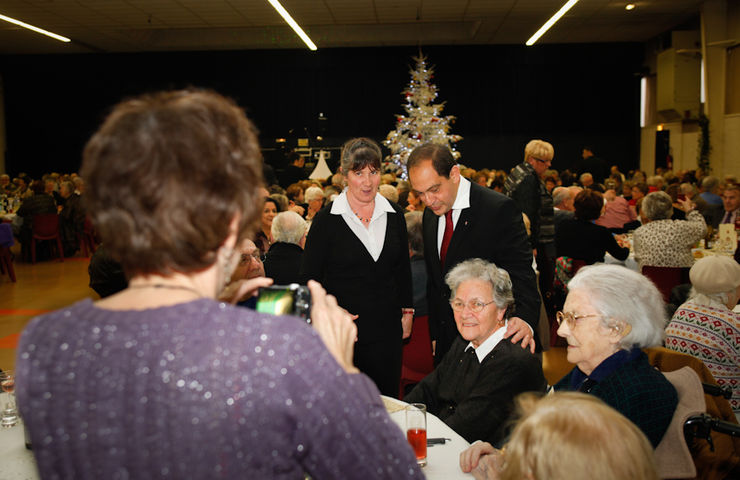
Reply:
x=592, y=164
x=294, y=172
x=283, y=260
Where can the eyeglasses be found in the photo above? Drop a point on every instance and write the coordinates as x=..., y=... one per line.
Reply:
x=245, y=257
x=540, y=160
x=475, y=306
x=571, y=318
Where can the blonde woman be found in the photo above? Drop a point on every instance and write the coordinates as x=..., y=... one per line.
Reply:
x=566, y=435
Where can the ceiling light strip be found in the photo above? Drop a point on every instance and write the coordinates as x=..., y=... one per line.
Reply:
x=551, y=22
x=35, y=29
x=296, y=28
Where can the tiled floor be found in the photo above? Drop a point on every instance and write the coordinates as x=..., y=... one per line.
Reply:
x=39, y=288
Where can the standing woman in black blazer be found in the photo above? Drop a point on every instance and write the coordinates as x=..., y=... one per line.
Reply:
x=357, y=248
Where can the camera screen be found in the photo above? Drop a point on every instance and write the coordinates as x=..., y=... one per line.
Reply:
x=276, y=302
x=290, y=299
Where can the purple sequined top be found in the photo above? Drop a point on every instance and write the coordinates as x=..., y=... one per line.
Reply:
x=198, y=390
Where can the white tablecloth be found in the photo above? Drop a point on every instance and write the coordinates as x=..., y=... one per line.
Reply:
x=443, y=461
x=16, y=462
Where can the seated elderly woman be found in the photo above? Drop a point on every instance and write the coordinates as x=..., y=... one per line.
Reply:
x=162, y=380
x=315, y=199
x=472, y=390
x=611, y=312
x=580, y=239
x=662, y=242
x=706, y=327
x=565, y=436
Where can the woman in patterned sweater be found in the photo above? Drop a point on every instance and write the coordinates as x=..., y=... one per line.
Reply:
x=662, y=242
x=706, y=327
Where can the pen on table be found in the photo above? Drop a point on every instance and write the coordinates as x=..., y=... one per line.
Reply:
x=437, y=441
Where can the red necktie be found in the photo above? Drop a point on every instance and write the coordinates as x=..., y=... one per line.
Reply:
x=447, y=236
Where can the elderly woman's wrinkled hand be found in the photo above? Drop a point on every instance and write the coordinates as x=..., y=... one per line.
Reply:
x=335, y=326
x=521, y=331
x=471, y=457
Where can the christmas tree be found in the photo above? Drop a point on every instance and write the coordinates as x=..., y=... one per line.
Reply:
x=422, y=122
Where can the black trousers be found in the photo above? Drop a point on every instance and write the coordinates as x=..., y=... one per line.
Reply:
x=381, y=361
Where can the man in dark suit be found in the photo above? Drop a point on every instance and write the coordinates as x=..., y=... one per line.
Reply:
x=283, y=260
x=463, y=220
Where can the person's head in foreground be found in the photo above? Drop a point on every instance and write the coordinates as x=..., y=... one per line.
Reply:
x=480, y=295
x=566, y=436
x=715, y=281
x=608, y=308
x=176, y=212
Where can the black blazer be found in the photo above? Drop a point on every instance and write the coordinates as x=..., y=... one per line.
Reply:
x=491, y=229
x=376, y=291
x=283, y=263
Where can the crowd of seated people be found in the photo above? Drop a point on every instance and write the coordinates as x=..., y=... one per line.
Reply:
x=52, y=193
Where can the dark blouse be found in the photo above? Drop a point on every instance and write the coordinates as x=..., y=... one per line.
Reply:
x=627, y=382
x=584, y=240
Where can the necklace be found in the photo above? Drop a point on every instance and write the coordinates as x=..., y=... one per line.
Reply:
x=362, y=219
x=169, y=287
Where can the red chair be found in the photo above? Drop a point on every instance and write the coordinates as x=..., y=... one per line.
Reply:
x=417, y=361
x=46, y=227
x=87, y=238
x=665, y=278
x=578, y=264
x=6, y=263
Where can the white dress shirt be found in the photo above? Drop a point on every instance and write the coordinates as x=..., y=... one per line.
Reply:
x=372, y=237
x=489, y=343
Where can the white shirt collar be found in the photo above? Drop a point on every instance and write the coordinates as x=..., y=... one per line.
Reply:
x=489, y=343
x=341, y=205
x=462, y=200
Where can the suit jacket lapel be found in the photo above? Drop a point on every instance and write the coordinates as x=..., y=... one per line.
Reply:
x=431, y=226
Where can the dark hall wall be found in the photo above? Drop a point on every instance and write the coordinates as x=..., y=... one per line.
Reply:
x=502, y=96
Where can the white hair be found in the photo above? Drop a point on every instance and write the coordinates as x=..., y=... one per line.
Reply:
x=622, y=295
x=560, y=195
x=313, y=193
x=389, y=192
x=288, y=227
x=479, y=269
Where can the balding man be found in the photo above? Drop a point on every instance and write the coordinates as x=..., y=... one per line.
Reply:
x=586, y=179
x=562, y=200
x=283, y=259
